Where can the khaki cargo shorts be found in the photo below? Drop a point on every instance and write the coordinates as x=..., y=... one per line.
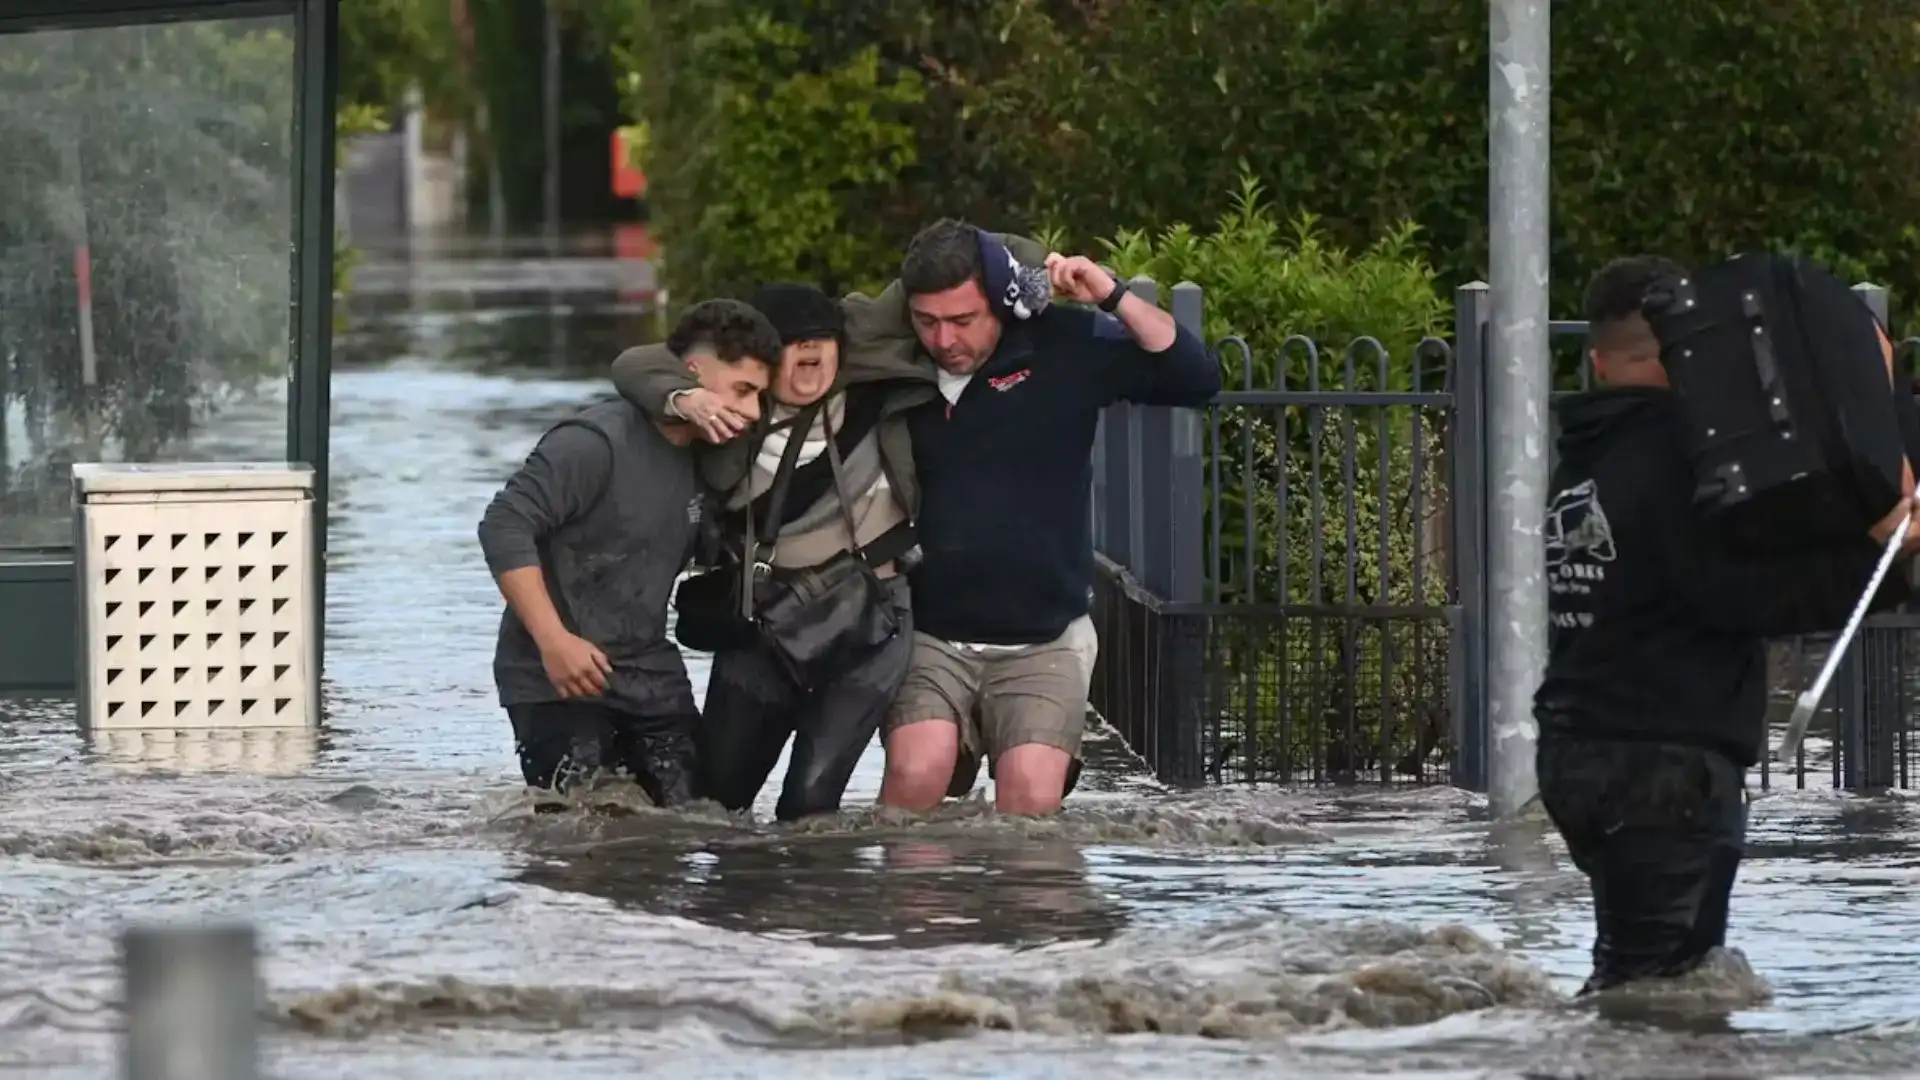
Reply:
x=1002, y=698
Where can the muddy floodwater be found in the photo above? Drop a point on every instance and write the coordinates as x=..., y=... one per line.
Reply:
x=418, y=921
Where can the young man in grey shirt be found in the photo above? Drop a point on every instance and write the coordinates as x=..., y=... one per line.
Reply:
x=586, y=541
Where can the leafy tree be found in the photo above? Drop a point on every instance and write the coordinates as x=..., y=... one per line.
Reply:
x=387, y=46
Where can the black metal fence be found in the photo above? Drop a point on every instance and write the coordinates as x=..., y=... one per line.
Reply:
x=1292, y=584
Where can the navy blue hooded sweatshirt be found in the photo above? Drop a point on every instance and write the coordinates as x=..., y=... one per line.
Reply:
x=1656, y=634
x=1006, y=473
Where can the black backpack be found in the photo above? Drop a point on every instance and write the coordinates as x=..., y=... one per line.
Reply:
x=1798, y=429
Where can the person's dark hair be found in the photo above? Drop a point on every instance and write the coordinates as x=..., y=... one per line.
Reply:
x=945, y=255
x=1614, y=298
x=732, y=330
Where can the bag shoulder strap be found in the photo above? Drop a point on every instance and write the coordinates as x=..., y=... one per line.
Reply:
x=769, y=529
x=840, y=488
x=783, y=476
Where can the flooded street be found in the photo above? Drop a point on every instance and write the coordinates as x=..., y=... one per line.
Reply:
x=418, y=921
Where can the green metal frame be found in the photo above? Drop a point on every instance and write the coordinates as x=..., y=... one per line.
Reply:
x=20, y=15
x=310, y=398
x=38, y=586
x=39, y=621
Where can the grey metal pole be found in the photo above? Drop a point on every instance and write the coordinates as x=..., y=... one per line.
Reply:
x=551, y=73
x=1519, y=382
x=192, y=1001
x=496, y=198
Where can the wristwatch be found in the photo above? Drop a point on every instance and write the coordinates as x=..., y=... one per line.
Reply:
x=673, y=405
x=1112, y=302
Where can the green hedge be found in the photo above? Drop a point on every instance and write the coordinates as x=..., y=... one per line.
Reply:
x=763, y=153
x=808, y=139
x=1690, y=129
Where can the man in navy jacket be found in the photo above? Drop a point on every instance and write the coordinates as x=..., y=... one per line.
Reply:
x=1003, y=643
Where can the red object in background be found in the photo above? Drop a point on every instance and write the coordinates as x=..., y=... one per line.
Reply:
x=83, y=295
x=631, y=240
x=83, y=276
x=628, y=182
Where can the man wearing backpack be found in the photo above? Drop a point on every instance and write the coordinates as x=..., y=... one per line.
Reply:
x=1654, y=702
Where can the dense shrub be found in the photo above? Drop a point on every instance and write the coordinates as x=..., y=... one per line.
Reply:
x=1689, y=129
x=388, y=46
x=764, y=158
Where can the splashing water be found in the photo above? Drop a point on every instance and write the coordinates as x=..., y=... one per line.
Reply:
x=420, y=919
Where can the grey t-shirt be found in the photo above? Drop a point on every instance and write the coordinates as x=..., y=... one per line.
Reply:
x=608, y=509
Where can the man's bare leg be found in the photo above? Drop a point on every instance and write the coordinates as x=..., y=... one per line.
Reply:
x=1033, y=715
x=923, y=728
x=920, y=760
x=1031, y=779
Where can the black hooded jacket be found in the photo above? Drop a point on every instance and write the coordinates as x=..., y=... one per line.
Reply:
x=1655, y=634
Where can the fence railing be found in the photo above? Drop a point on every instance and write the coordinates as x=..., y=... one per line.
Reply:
x=1293, y=584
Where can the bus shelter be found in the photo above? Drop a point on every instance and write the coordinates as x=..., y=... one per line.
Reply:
x=166, y=268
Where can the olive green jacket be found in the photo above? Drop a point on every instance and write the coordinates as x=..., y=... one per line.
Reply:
x=880, y=346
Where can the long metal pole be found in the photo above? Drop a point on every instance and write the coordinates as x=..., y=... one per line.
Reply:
x=1519, y=381
x=551, y=77
x=193, y=1002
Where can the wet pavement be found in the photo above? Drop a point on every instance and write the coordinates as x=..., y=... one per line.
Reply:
x=419, y=921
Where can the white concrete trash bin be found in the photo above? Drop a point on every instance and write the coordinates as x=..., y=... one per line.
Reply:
x=196, y=596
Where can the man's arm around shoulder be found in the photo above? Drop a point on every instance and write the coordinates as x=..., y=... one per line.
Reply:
x=650, y=377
